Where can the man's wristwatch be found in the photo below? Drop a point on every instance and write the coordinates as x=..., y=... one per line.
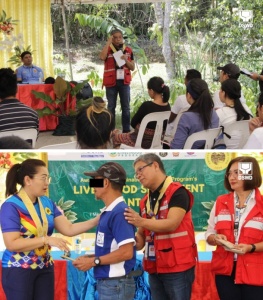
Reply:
x=253, y=248
x=97, y=261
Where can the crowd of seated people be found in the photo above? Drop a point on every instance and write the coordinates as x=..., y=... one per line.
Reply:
x=196, y=111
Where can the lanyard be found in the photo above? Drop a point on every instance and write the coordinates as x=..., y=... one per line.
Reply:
x=153, y=212
x=239, y=212
x=41, y=229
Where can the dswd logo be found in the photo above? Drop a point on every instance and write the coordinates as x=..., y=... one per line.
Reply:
x=246, y=19
x=245, y=170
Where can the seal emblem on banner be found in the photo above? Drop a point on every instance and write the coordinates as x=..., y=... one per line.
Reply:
x=217, y=161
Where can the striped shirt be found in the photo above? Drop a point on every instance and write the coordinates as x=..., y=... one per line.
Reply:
x=15, y=115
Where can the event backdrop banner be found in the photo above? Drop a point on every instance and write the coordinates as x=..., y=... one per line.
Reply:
x=201, y=173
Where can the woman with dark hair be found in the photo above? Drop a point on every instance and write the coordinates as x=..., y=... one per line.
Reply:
x=233, y=110
x=200, y=115
x=28, y=219
x=94, y=124
x=235, y=227
x=160, y=95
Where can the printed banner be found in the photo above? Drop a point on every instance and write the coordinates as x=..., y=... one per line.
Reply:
x=201, y=173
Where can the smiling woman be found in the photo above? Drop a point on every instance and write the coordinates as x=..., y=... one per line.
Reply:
x=28, y=219
x=237, y=218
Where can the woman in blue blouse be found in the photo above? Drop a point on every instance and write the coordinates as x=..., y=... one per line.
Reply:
x=28, y=219
x=200, y=115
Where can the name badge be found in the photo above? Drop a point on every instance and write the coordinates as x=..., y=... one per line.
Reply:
x=120, y=74
x=150, y=251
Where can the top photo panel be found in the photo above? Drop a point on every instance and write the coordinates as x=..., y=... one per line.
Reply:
x=131, y=75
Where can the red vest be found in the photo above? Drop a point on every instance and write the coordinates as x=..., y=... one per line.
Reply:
x=109, y=76
x=249, y=264
x=182, y=242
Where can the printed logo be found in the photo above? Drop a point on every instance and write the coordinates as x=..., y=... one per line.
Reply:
x=217, y=161
x=163, y=154
x=246, y=19
x=245, y=170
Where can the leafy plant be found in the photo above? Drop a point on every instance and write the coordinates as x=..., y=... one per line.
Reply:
x=16, y=58
x=69, y=214
x=58, y=108
x=95, y=81
x=62, y=72
x=6, y=24
x=105, y=25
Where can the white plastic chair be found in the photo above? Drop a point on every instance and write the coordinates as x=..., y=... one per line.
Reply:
x=70, y=145
x=159, y=118
x=237, y=134
x=29, y=134
x=208, y=136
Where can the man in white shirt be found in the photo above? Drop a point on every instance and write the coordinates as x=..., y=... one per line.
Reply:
x=228, y=71
x=180, y=103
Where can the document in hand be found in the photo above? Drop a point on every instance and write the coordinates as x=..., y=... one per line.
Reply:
x=117, y=55
x=245, y=71
x=229, y=246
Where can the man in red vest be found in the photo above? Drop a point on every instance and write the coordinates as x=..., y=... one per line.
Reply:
x=165, y=229
x=118, y=64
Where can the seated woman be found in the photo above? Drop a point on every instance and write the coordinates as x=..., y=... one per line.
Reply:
x=233, y=110
x=160, y=94
x=200, y=115
x=94, y=125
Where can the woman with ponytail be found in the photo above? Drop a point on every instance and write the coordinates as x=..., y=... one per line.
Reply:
x=28, y=218
x=94, y=125
x=200, y=115
x=233, y=110
x=160, y=95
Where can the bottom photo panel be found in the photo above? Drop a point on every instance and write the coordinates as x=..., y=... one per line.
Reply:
x=79, y=225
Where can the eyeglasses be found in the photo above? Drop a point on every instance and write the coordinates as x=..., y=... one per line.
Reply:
x=44, y=178
x=139, y=170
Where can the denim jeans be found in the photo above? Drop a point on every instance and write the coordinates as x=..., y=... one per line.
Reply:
x=124, y=92
x=116, y=289
x=172, y=286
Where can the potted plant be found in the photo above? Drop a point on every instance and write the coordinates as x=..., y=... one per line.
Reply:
x=65, y=112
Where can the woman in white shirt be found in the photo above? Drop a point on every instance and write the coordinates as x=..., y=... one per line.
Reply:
x=233, y=110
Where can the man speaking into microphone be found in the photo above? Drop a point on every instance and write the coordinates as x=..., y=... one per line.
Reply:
x=118, y=64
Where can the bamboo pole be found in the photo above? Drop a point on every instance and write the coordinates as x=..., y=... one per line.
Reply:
x=66, y=37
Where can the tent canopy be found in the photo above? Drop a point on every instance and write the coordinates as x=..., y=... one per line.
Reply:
x=104, y=1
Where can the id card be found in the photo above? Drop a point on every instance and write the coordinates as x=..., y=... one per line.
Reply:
x=120, y=74
x=150, y=252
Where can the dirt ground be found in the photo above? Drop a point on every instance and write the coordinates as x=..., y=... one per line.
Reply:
x=85, y=59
